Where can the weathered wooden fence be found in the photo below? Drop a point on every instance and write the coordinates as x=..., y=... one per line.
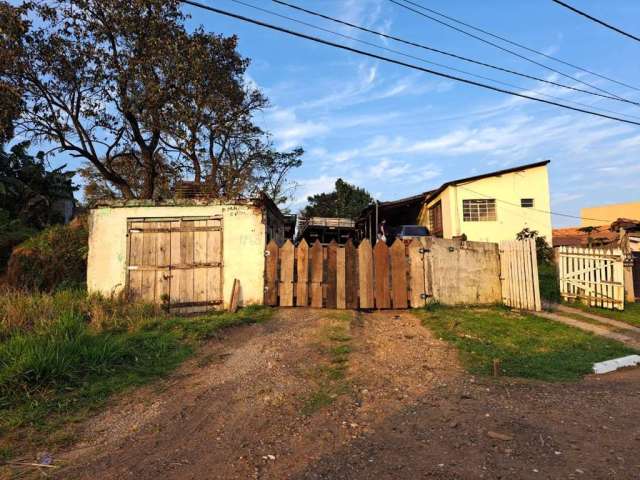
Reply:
x=519, y=274
x=400, y=276
x=592, y=275
x=343, y=276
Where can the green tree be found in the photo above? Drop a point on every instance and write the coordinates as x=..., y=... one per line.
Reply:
x=543, y=249
x=346, y=201
x=125, y=86
x=28, y=189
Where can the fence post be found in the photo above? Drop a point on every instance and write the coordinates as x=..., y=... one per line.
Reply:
x=302, y=284
x=317, y=272
x=381, y=275
x=365, y=274
x=271, y=274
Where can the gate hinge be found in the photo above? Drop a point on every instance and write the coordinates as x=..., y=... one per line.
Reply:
x=424, y=296
x=424, y=250
x=267, y=253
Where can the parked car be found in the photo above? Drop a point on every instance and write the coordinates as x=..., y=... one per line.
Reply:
x=406, y=233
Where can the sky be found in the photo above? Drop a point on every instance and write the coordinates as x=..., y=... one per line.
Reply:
x=399, y=132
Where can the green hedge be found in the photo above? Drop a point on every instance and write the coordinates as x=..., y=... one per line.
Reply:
x=54, y=258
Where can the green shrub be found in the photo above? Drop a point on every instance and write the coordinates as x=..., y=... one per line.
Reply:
x=54, y=258
x=66, y=351
x=549, y=282
x=12, y=233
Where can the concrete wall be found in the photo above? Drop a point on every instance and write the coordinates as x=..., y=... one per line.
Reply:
x=507, y=190
x=465, y=272
x=244, y=235
x=606, y=214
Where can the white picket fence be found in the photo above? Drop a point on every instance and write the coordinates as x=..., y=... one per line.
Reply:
x=519, y=274
x=592, y=275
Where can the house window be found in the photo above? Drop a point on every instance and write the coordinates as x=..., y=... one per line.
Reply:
x=481, y=210
x=526, y=202
x=435, y=220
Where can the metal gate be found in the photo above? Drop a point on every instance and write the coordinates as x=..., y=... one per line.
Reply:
x=592, y=275
x=176, y=262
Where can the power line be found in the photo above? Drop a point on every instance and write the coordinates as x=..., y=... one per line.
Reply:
x=532, y=208
x=580, y=12
x=398, y=52
x=398, y=62
x=442, y=52
x=488, y=42
x=529, y=49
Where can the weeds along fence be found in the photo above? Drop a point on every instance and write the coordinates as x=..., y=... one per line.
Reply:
x=404, y=275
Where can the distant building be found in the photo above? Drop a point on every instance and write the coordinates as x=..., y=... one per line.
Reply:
x=325, y=229
x=490, y=207
x=607, y=214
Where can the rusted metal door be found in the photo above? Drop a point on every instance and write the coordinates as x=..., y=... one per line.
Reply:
x=176, y=262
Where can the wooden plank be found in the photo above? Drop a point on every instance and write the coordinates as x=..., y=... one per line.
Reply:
x=317, y=273
x=508, y=253
x=332, y=267
x=235, y=296
x=398, y=275
x=365, y=274
x=536, y=279
x=176, y=259
x=341, y=287
x=515, y=265
x=200, y=256
x=163, y=278
x=513, y=261
x=417, y=298
x=271, y=274
x=134, y=279
x=528, y=279
x=381, y=275
x=302, y=281
x=215, y=278
x=520, y=266
x=287, y=253
x=351, y=275
x=186, y=256
x=148, y=289
x=618, y=277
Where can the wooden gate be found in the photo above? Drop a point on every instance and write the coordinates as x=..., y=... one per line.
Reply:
x=592, y=275
x=176, y=262
x=346, y=277
x=636, y=274
x=519, y=274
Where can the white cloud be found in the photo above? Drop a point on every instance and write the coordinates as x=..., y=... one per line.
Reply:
x=289, y=131
x=312, y=186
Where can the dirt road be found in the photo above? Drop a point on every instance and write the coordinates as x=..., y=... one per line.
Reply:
x=319, y=394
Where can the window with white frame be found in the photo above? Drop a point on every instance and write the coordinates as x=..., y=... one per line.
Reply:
x=526, y=202
x=479, y=210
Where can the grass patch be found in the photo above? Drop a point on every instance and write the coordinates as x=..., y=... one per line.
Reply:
x=63, y=355
x=630, y=314
x=527, y=346
x=331, y=373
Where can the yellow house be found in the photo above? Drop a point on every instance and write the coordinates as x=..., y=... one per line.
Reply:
x=491, y=207
x=486, y=208
x=607, y=214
